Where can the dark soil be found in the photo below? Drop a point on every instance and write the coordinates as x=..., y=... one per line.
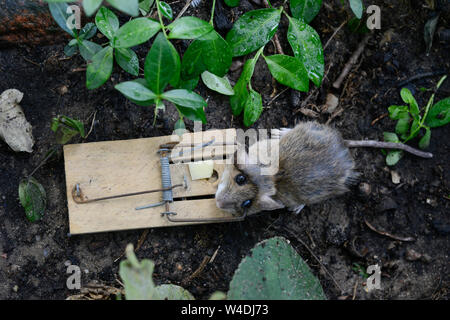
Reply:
x=33, y=255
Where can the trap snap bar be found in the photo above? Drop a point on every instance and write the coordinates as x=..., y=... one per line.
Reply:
x=145, y=183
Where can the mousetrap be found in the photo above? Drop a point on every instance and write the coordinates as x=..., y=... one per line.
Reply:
x=145, y=183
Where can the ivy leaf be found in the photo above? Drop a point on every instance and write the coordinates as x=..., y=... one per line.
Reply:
x=289, y=71
x=253, y=108
x=189, y=103
x=166, y=10
x=357, y=7
x=100, y=69
x=188, y=28
x=33, y=198
x=59, y=13
x=135, y=32
x=90, y=6
x=135, y=90
x=130, y=7
x=127, y=60
x=408, y=98
x=424, y=142
x=439, y=114
x=307, y=47
x=253, y=30
x=219, y=84
x=107, y=22
x=88, y=49
x=208, y=52
x=162, y=64
x=305, y=9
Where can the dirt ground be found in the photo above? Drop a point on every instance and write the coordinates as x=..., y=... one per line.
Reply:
x=33, y=256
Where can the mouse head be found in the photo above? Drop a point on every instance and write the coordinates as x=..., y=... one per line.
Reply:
x=243, y=188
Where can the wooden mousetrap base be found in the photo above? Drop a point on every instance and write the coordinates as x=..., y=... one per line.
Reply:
x=110, y=168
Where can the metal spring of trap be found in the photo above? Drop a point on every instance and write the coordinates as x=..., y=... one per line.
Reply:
x=167, y=194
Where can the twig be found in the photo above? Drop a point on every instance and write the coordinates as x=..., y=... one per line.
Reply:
x=78, y=70
x=275, y=37
x=279, y=94
x=317, y=259
x=92, y=126
x=141, y=239
x=186, y=6
x=354, y=290
x=384, y=115
x=420, y=76
x=214, y=255
x=348, y=66
x=197, y=272
x=334, y=33
x=387, y=234
x=31, y=61
x=387, y=145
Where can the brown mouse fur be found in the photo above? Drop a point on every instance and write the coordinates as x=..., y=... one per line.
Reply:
x=314, y=165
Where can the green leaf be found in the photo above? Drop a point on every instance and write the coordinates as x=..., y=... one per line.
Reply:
x=424, y=142
x=390, y=137
x=146, y=103
x=66, y=128
x=33, y=198
x=253, y=108
x=307, y=47
x=219, y=84
x=88, y=31
x=107, y=22
x=172, y=292
x=162, y=64
x=402, y=125
x=130, y=7
x=289, y=71
x=415, y=126
x=408, y=98
x=135, y=91
x=145, y=6
x=357, y=7
x=188, y=103
x=305, y=9
x=188, y=84
x=358, y=25
x=135, y=32
x=88, y=49
x=90, y=6
x=208, y=52
x=188, y=28
x=180, y=127
x=253, y=30
x=396, y=112
x=127, y=60
x=165, y=9
x=71, y=49
x=100, y=69
x=232, y=3
x=439, y=114
x=59, y=13
x=274, y=271
x=393, y=157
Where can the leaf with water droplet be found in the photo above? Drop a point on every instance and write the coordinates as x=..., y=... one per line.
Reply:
x=33, y=198
x=305, y=9
x=135, y=32
x=252, y=108
x=219, y=84
x=289, y=71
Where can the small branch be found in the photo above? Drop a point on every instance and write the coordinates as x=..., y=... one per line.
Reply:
x=197, y=272
x=186, y=6
x=334, y=33
x=387, y=234
x=275, y=37
x=387, y=145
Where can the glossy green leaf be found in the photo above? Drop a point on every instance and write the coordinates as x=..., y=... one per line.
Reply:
x=188, y=28
x=253, y=30
x=393, y=157
x=33, y=198
x=162, y=64
x=408, y=98
x=130, y=7
x=135, y=91
x=88, y=31
x=135, y=32
x=424, y=142
x=289, y=71
x=188, y=84
x=209, y=52
x=307, y=47
x=219, y=84
x=145, y=5
x=253, y=108
x=146, y=103
x=107, y=22
x=357, y=7
x=189, y=103
x=90, y=6
x=127, y=60
x=59, y=13
x=274, y=271
x=88, y=49
x=100, y=69
x=358, y=25
x=305, y=9
x=165, y=9
x=439, y=114
x=396, y=112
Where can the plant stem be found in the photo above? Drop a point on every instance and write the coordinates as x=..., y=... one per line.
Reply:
x=50, y=153
x=211, y=21
x=160, y=19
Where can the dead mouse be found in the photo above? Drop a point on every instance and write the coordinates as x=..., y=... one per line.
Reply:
x=314, y=165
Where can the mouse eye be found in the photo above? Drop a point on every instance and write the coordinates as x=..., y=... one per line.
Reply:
x=240, y=179
x=246, y=204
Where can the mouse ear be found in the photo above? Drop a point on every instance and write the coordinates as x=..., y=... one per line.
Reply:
x=266, y=202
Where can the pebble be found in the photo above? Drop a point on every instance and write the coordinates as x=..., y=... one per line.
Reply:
x=412, y=255
x=395, y=177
